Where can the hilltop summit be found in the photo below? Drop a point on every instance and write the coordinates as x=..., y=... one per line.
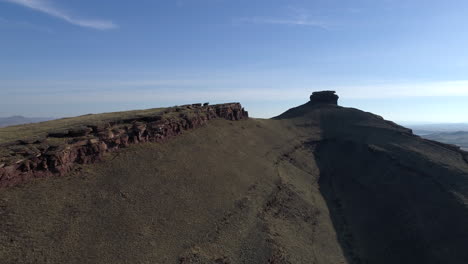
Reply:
x=318, y=99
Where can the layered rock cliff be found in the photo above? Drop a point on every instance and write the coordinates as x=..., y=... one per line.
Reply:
x=58, y=151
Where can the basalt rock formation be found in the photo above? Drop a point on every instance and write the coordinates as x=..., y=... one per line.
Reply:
x=324, y=97
x=86, y=144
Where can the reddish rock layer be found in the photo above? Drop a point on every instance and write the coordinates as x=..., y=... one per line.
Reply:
x=88, y=144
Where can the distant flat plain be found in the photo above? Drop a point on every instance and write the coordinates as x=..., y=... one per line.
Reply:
x=451, y=133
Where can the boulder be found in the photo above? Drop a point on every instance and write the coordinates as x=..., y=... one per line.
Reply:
x=58, y=134
x=79, y=132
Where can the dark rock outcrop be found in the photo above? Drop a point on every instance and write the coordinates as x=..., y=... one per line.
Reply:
x=324, y=97
x=87, y=144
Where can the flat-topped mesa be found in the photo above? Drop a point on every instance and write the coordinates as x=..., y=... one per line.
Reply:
x=25, y=159
x=324, y=97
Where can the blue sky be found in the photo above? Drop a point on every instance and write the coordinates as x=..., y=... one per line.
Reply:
x=405, y=60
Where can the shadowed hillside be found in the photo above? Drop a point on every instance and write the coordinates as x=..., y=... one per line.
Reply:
x=393, y=197
x=318, y=184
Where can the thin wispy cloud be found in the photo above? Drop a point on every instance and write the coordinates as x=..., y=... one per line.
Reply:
x=58, y=97
x=151, y=90
x=299, y=17
x=287, y=21
x=49, y=9
x=405, y=89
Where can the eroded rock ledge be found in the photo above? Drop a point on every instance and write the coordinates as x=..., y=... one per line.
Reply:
x=324, y=97
x=45, y=157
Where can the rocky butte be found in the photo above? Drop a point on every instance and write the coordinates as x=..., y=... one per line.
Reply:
x=324, y=97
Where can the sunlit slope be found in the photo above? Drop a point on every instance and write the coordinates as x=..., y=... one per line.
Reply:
x=231, y=192
x=318, y=184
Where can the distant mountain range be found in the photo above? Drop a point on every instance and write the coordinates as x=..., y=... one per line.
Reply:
x=19, y=120
x=450, y=133
x=426, y=129
x=459, y=138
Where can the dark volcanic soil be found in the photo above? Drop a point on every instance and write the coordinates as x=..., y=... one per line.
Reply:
x=318, y=184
